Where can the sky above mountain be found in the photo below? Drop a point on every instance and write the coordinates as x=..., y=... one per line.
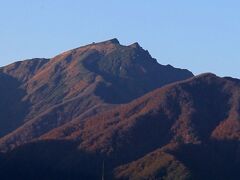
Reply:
x=202, y=36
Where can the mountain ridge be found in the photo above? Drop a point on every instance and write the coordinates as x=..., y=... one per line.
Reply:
x=107, y=103
x=79, y=83
x=185, y=130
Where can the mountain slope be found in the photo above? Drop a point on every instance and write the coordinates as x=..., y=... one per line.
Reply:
x=200, y=115
x=76, y=84
x=194, y=110
x=186, y=130
x=13, y=106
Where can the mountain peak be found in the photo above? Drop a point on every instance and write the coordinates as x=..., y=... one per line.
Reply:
x=114, y=41
x=206, y=76
x=110, y=41
x=135, y=45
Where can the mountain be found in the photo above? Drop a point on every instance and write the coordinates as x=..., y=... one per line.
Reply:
x=189, y=129
x=39, y=95
x=185, y=130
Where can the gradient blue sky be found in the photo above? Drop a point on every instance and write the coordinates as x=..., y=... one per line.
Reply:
x=202, y=36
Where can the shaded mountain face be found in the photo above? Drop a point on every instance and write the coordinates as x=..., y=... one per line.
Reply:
x=186, y=130
x=13, y=106
x=39, y=95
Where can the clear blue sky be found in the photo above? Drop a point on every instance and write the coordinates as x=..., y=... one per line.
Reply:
x=203, y=36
